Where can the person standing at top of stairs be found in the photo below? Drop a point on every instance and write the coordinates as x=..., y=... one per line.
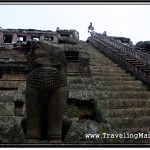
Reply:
x=91, y=29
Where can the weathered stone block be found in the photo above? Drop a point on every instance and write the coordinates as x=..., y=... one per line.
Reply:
x=84, y=68
x=73, y=67
x=6, y=108
x=67, y=40
x=7, y=96
x=10, y=131
x=81, y=94
x=77, y=131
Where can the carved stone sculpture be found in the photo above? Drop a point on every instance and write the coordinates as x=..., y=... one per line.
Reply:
x=66, y=124
x=45, y=91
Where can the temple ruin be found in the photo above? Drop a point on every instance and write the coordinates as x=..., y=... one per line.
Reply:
x=23, y=35
x=107, y=85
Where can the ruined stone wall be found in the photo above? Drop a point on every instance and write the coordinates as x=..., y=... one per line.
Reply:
x=12, y=66
x=13, y=83
x=15, y=35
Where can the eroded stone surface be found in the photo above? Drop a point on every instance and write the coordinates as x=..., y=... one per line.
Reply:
x=81, y=130
x=10, y=131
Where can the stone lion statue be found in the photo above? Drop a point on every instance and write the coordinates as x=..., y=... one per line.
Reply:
x=45, y=91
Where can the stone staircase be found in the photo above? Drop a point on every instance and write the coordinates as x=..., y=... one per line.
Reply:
x=111, y=100
x=120, y=99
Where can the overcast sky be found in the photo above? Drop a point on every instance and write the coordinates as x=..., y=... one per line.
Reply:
x=132, y=21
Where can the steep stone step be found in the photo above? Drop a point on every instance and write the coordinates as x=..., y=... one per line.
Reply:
x=80, y=87
x=79, y=80
x=81, y=94
x=92, y=94
x=120, y=88
x=122, y=95
x=125, y=113
x=92, y=64
x=107, y=67
x=106, y=88
x=100, y=78
x=101, y=61
x=112, y=74
x=130, y=122
x=123, y=103
x=114, y=83
x=97, y=56
x=121, y=99
x=107, y=70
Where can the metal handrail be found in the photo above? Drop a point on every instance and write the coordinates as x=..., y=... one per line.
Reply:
x=104, y=48
x=126, y=49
